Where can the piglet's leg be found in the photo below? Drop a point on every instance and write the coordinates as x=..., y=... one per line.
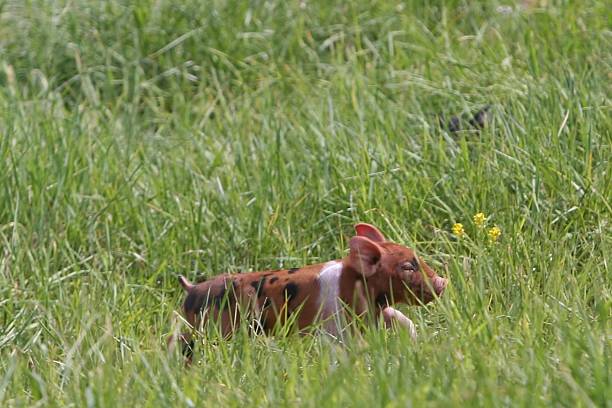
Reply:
x=391, y=315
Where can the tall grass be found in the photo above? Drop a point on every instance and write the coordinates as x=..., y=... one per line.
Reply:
x=143, y=139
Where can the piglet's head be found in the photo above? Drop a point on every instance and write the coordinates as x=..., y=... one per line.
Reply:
x=393, y=272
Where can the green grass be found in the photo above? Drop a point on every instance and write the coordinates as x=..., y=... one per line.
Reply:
x=141, y=141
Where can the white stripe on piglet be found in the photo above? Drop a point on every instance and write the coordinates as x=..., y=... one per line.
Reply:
x=329, y=284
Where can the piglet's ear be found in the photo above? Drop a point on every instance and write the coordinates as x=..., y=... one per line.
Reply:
x=369, y=231
x=364, y=256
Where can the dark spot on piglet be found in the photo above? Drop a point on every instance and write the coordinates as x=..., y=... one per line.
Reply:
x=266, y=304
x=258, y=285
x=274, y=279
x=382, y=300
x=193, y=303
x=290, y=291
x=220, y=300
x=261, y=319
x=293, y=270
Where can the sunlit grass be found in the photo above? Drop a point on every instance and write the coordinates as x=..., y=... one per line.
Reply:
x=142, y=141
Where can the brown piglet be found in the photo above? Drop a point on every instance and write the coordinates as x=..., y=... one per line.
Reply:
x=374, y=275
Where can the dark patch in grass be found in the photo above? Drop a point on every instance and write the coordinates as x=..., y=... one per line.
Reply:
x=457, y=123
x=187, y=349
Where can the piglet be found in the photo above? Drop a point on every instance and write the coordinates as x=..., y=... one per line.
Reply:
x=374, y=275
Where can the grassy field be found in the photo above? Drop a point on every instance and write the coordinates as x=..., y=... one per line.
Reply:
x=143, y=139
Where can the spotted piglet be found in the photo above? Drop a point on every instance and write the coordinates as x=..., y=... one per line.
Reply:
x=374, y=275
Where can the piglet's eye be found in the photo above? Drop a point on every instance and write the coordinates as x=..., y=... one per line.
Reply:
x=411, y=266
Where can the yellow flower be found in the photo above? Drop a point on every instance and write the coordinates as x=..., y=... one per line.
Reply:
x=458, y=229
x=480, y=219
x=494, y=233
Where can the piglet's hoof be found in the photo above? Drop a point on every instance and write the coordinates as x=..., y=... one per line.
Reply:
x=392, y=315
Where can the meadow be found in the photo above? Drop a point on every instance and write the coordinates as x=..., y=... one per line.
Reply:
x=144, y=139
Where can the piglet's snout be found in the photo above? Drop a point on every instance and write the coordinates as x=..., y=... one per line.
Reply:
x=439, y=284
